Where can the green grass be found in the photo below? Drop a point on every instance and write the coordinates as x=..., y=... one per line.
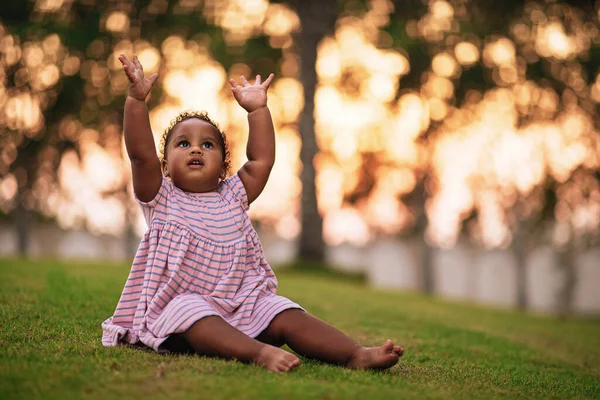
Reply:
x=50, y=316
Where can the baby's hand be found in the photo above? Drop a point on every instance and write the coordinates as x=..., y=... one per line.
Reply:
x=251, y=97
x=139, y=86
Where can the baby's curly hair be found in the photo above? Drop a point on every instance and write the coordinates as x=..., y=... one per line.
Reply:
x=204, y=117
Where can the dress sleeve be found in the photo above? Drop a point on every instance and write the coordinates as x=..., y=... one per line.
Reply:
x=233, y=189
x=158, y=204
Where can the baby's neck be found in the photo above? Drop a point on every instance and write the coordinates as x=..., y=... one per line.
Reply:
x=198, y=188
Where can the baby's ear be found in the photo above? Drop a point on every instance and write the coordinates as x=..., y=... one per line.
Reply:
x=164, y=167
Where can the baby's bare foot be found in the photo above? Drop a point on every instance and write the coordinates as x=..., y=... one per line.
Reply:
x=276, y=360
x=381, y=357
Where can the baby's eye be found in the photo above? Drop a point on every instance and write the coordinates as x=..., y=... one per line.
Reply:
x=184, y=143
x=207, y=145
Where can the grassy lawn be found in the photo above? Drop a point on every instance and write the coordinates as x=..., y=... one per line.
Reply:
x=50, y=316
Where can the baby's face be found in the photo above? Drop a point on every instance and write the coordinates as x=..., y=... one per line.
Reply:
x=194, y=157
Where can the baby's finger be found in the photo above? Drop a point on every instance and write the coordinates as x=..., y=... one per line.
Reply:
x=125, y=61
x=267, y=82
x=153, y=79
x=234, y=84
x=129, y=73
x=244, y=81
x=137, y=63
x=131, y=66
x=257, y=82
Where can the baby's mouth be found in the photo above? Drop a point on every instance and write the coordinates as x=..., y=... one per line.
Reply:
x=195, y=163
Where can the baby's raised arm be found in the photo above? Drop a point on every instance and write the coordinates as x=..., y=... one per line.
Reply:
x=260, y=149
x=139, y=141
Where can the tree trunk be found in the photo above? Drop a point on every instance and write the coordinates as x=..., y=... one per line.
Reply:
x=317, y=19
x=521, y=276
x=427, y=273
x=566, y=262
x=24, y=169
x=131, y=241
x=520, y=252
x=22, y=221
x=416, y=202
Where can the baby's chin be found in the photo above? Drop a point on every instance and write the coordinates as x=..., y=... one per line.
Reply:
x=196, y=184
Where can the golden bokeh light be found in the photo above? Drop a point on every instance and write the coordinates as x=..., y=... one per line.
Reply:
x=71, y=66
x=22, y=112
x=48, y=5
x=441, y=9
x=287, y=99
x=553, y=42
x=8, y=189
x=444, y=65
x=48, y=76
x=33, y=55
x=150, y=59
x=499, y=52
x=11, y=51
x=466, y=53
x=240, y=19
x=436, y=22
x=280, y=20
x=117, y=21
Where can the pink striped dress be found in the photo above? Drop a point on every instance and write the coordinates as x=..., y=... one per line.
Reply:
x=200, y=257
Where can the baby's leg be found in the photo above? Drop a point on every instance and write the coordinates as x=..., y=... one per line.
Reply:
x=313, y=338
x=212, y=336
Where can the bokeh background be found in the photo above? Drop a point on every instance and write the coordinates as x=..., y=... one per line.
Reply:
x=444, y=146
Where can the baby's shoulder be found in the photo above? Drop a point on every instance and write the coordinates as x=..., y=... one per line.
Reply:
x=233, y=191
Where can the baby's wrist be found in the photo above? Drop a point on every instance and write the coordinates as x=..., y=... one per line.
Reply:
x=135, y=98
x=257, y=109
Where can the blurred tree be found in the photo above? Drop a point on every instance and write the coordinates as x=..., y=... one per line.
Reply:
x=317, y=19
x=36, y=100
x=534, y=215
x=565, y=77
x=576, y=198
